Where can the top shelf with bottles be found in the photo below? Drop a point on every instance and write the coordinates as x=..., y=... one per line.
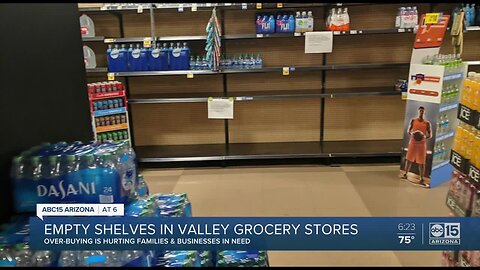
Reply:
x=195, y=6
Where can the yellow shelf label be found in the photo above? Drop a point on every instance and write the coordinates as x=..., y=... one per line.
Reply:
x=190, y=75
x=286, y=71
x=259, y=5
x=109, y=40
x=279, y=5
x=147, y=42
x=432, y=18
x=111, y=76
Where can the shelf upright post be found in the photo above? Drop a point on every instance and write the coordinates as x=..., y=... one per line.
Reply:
x=127, y=84
x=225, y=90
x=322, y=100
x=152, y=23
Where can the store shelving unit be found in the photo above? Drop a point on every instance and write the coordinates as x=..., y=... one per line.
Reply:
x=323, y=91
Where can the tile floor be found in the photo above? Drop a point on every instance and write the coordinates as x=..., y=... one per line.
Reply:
x=361, y=190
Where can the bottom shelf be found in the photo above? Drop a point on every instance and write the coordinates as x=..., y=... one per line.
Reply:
x=285, y=150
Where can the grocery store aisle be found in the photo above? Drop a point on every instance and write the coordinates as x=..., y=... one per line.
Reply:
x=370, y=190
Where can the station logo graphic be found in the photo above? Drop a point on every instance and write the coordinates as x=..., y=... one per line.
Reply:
x=441, y=233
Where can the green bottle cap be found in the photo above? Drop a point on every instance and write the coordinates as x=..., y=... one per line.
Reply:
x=70, y=158
x=35, y=160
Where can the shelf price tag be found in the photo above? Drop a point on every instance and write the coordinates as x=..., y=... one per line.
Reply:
x=194, y=7
x=259, y=35
x=140, y=9
x=296, y=34
x=228, y=4
x=401, y=30
x=244, y=5
x=180, y=7
x=147, y=42
x=286, y=71
x=279, y=5
x=336, y=33
x=109, y=40
x=111, y=76
x=353, y=32
x=432, y=18
x=259, y=5
x=189, y=75
x=208, y=4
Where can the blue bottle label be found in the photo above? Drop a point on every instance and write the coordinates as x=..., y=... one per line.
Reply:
x=176, y=52
x=156, y=53
x=136, y=54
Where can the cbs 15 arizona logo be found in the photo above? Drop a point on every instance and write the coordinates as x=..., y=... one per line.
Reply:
x=444, y=233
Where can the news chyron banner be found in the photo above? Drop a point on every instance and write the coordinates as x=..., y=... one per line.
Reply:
x=247, y=233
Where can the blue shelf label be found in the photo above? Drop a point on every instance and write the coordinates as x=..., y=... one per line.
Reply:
x=110, y=111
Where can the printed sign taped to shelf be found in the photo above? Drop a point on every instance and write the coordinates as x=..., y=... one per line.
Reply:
x=220, y=108
x=111, y=76
x=432, y=18
x=147, y=42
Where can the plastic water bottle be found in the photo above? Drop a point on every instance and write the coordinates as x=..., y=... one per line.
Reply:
x=144, y=59
x=443, y=152
x=89, y=58
x=68, y=258
x=18, y=168
x=122, y=58
x=23, y=257
x=44, y=258
x=68, y=164
x=185, y=55
x=446, y=123
x=259, y=61
x=246, y=62
x=298, y=22
x=278, y=24
x=51, y=168
x=310, y=21
x=87, y=27
x=204, y=63
x=193, y=63
x=252, y=61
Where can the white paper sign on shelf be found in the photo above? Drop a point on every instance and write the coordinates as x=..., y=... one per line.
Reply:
x=220, y=108
x=319, y=42
x=425, y=83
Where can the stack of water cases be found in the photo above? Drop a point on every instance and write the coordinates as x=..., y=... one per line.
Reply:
x=109, y=110
x=158, y=57
x=96, y=173
x=463, y=197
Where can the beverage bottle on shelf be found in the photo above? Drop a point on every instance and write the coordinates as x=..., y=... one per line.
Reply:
x=259, y=61
x=185, y=54
x=278, y=24
x=398, y=18
x=252, y=61
x=446, y=123
x=470, y=138
x=228, y=63
x=271, y=23
x=134, y=58
x=111, y=57
x=171, y=62
x=441, y=125
x=87, y=27
x=337, y=20
x=328, y=21
x=123, y=60
x=89, y=58
x=258, y=24
x=346, y=20
x=246, y=62
x=144, y=58
x=435, y=154
x=291, y=23
x=304, y=20
x=68, y=164
x=467, y=95
x=240, y=61
x=443, y=152
x=284, y=24
x=298, y=22
x=164, y=57
x=193, y=63
x=475, y=93
x=204, y=63
x=310, y=21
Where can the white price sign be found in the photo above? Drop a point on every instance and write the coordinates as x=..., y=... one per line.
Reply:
x=220, y=108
